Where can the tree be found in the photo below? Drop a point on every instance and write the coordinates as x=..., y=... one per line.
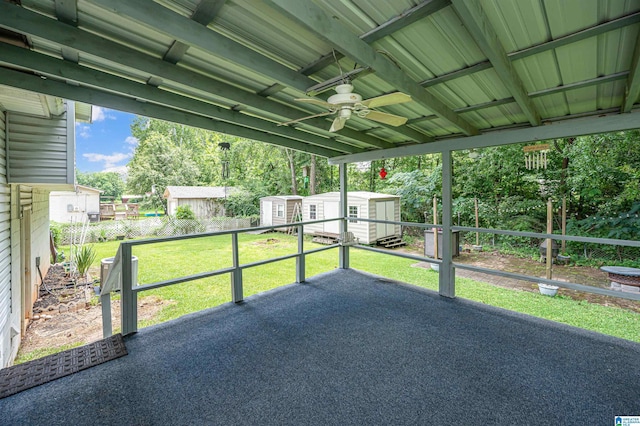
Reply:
x=159, y=162
x=109, y=182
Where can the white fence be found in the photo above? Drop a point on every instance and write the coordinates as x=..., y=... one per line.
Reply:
x=152, y=227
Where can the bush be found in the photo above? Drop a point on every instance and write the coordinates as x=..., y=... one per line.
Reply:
x=185, y=212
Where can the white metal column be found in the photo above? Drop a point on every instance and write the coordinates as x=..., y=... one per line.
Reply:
x=447, y=285
x=344, y=250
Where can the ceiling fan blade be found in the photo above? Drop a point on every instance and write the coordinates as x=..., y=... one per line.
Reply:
x=383, y=117
x=314, y=101
x=389, y=99
x=337, y=124
x=322, y=114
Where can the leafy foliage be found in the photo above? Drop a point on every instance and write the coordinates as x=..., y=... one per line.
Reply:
x=84, y=257
x=109, y=182
x=184, y=212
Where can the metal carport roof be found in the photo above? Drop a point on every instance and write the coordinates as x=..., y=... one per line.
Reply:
x=480, y=72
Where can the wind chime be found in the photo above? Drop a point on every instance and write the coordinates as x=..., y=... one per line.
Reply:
x=535, y=156
x=225, y=146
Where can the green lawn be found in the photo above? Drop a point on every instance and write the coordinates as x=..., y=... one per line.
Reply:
x=173, y=259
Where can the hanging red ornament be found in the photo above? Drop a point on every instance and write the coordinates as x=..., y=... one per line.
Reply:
x=383, y=173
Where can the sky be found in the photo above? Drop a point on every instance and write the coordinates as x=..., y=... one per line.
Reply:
x=106, y=144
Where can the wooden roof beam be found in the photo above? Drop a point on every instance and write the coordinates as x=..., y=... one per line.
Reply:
x=475, y=20
x=23, y=21
x=92, y=96
x=334, y=33
x=408, y=17
x=159, y=18
x=632, y=89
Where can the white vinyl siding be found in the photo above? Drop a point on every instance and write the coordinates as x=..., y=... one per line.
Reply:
x=5, y=253
x=41, y=150
x=360, y=205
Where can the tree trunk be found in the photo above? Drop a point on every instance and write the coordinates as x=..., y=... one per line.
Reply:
x=292, y=167
x=312, y=178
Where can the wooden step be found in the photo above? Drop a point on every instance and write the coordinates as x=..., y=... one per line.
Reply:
x=398, y=244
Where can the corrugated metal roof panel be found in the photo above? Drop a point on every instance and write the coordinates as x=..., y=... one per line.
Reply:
x=429, y=47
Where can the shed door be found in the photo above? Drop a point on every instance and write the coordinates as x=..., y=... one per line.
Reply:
x=385, y=211
x=267, y=213
x=332, y=209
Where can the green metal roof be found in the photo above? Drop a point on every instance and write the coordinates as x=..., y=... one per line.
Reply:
x=474, y=68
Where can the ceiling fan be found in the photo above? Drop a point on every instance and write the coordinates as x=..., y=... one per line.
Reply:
x=345, y=103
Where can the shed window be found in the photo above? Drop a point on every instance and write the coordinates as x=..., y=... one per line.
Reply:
x=279, y=210
x=353, y=212
x=312, y=212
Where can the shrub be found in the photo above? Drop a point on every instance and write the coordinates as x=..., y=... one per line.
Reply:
x=84, y=258
x=184, y=212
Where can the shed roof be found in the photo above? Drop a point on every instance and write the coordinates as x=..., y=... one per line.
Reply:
x=482, y=72
x=366, y=195
x=285, y=197
x=198, y=191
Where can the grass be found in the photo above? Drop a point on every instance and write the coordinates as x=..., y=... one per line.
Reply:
x=174, y=259
x=39, y=353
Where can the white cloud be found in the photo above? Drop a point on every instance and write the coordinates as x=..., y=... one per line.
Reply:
x=123, y=171
x=110, y=161
x=83, y=130
x=100, y=114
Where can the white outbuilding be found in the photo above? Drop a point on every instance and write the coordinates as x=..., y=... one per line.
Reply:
x=280, y=210
x=360, y=204
x=76, y=206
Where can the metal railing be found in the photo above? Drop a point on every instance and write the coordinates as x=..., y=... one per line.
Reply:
x=564, y=284
x=129, y=292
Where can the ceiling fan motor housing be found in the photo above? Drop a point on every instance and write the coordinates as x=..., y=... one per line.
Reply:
x=344, y=95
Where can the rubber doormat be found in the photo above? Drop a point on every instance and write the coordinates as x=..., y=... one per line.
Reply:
x=39, y=371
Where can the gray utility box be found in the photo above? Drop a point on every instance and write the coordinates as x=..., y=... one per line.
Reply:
x=428, y=243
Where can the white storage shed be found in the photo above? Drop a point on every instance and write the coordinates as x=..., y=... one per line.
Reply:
x=280, y=210
x=67, y=206
x=360, y=204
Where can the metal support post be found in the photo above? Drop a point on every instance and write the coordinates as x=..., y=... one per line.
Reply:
x=129, y=298
x=236, y=275
x=105, y=302
x=447, y=284
x=300, y=267
x=344, y=250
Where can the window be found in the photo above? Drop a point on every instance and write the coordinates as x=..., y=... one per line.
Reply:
x=353, y=212
x=279, y=210
x=312, y=212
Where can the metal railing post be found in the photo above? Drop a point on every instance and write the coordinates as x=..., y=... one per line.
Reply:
x=300, y=267
x=447, y=283
x=129, y=300
x=344, y=249
x=236, y=275
x=105, y=302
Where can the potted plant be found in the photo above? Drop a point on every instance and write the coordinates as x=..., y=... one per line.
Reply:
x=563, y=258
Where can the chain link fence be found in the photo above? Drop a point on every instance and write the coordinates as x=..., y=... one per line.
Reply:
x=151, y=227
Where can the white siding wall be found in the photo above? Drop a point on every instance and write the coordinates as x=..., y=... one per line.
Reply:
x=85, y=201
x=5, y=253
x=203, y=208
x=364, y=231
x=41, y=150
